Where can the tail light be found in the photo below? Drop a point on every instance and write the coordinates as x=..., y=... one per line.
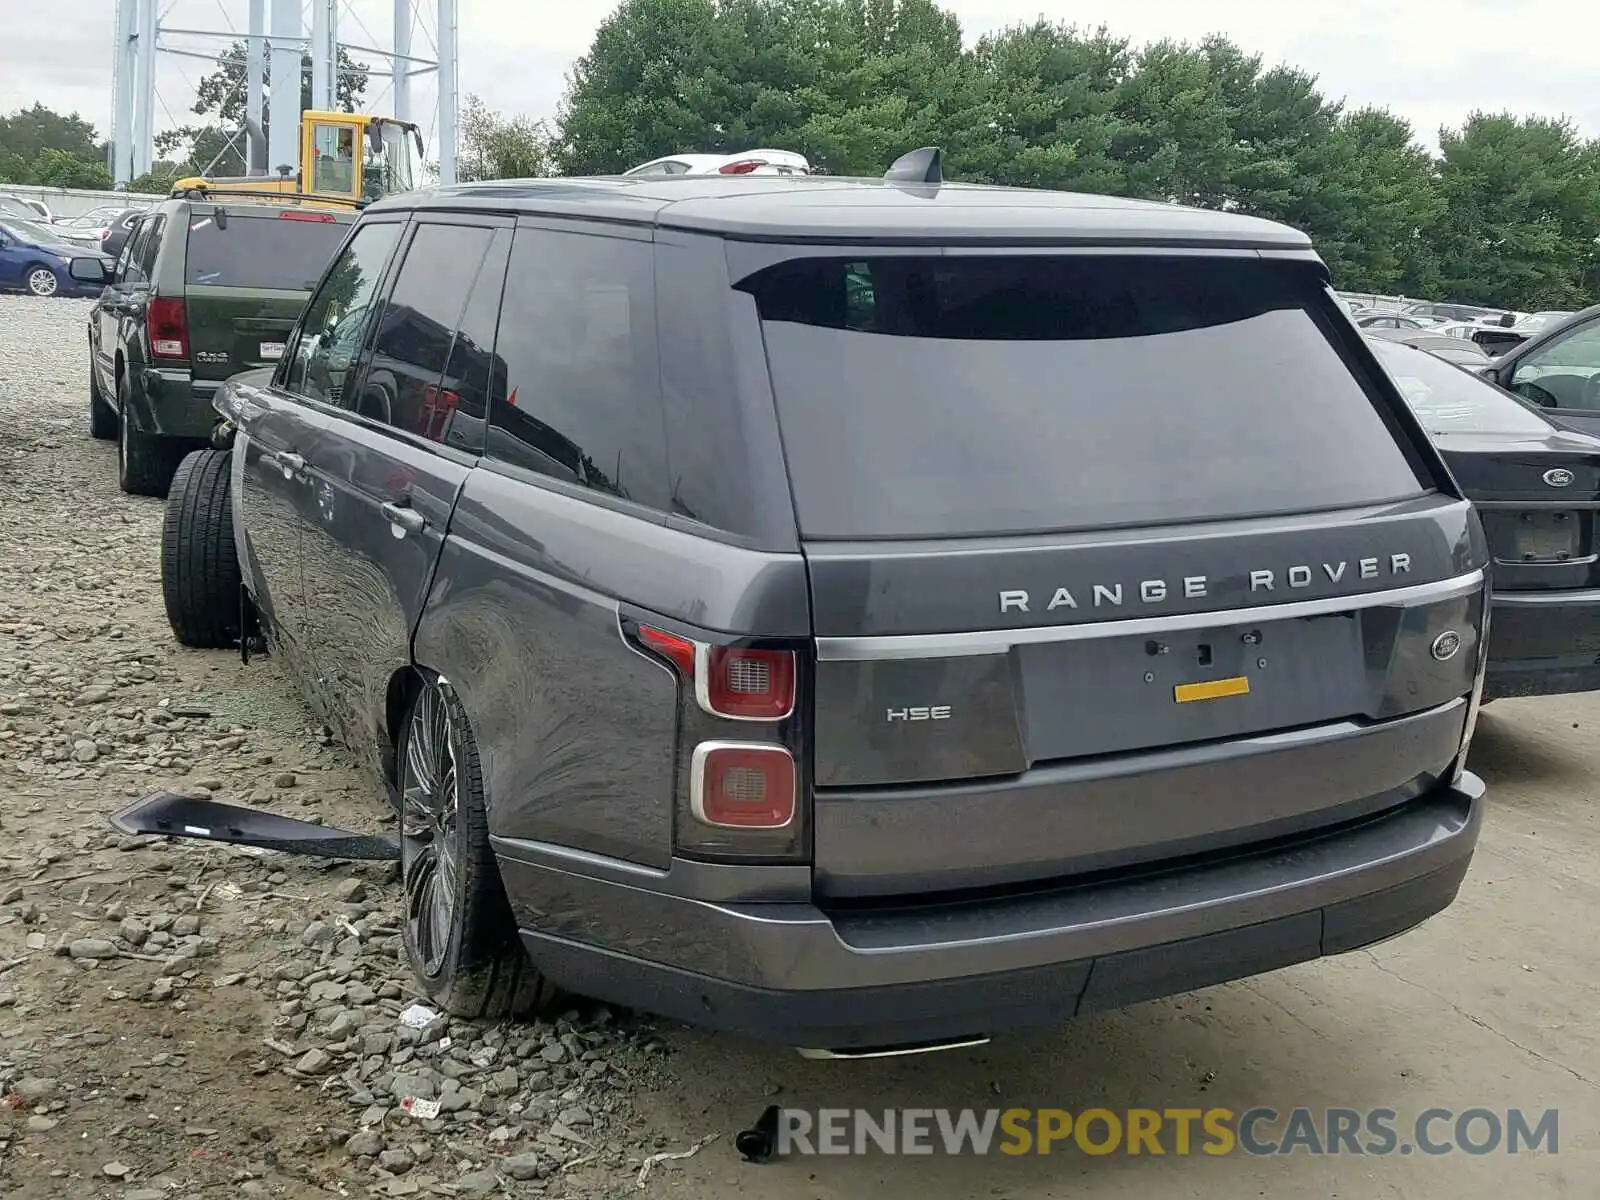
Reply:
x=105, y=235
x=742, y=778
x=743, y=167
x=169, y=328
x=319, y=218
x=741, y=785
x=733, y=682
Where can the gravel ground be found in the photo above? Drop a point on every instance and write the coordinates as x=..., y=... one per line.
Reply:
x=193, y=1020
x=183, y=1021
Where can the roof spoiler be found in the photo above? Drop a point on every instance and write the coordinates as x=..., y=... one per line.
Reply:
x=919, y=166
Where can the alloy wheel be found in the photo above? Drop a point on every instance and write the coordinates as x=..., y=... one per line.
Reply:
x=42, y=281
x=430, y=852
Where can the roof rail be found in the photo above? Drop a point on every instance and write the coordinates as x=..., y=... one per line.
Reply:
x=918, y=166
x=203, y=192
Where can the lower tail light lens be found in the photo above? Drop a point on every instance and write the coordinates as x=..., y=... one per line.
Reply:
x=736, y=785
x=169, y=328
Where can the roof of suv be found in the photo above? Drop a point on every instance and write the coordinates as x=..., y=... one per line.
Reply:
x=833, y=207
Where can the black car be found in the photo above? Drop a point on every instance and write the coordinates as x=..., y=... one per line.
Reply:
x=1537, y=489
x=1558, y=369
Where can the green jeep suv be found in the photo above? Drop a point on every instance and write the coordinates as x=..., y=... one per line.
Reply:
x=203, y=289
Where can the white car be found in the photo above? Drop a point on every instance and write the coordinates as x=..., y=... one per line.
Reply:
x=751, y=162
x=26, y=208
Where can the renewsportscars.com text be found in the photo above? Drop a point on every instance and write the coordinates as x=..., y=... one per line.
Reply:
x=1168, y=1131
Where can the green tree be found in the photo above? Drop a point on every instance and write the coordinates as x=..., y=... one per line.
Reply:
x=1522, y=212
x=849, y=83
x=41, y=146
x=496, y=147
x=58, y=168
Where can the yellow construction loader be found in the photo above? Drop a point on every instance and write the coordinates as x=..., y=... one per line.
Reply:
x=346, y=160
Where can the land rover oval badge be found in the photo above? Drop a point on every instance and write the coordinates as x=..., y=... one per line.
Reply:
x=1558, y=477
x=1446, y=645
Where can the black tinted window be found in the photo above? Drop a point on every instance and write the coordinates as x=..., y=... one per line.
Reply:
x=416, y=325
x=286, y=253
x=473, y=368
x=332, y=328
x=992, y=394
x=577, y=333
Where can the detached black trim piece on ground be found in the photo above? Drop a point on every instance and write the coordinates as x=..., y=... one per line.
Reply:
x=167, y=814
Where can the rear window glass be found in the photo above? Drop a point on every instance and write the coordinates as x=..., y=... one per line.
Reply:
x=923, y=396
x=274, y=253
x=1448, y=399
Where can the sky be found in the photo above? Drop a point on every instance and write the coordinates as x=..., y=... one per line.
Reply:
x=1431, y=63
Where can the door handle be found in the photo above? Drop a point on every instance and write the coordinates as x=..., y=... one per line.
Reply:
x=286, y=461
x=402, y=519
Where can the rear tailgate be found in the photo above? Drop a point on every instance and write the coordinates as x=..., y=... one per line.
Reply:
x=1079, y=530
x=247, y=279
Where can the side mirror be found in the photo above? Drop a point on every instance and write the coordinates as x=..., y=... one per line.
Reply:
x=375, y=138
x=89, y=270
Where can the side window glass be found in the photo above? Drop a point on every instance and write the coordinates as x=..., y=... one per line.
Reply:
x=333, y=159
x=583, y=384
x=131, y=269
x=331, y=328
x=152, y=247
x=1564, y=374
x=459, y=415
x=401, y=378
x=125, y=259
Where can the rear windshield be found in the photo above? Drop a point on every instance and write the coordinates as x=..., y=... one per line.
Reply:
x=277, y=253
x=926, y=396
x=1448, y=399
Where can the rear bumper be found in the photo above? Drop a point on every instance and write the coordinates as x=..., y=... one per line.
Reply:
x=172, y=403
x=1544, y=643
x=795, y=974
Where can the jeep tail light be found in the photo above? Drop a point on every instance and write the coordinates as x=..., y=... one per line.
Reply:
x=735, y=682
x=742, y=785
x=169, y=328
x=743, y=167
x=321, y=218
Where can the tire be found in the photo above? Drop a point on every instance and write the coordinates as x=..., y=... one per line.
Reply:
x=102, y=417
x=200, y=577
x=465, y=954
x=145, y=461
x=40, y=280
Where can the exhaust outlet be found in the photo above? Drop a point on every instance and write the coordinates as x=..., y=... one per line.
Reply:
x=895, y=1051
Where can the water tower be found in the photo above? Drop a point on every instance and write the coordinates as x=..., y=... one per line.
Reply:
x=417, y=58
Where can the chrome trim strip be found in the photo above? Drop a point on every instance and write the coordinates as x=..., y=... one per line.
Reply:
x=1554, y=598
x=999, y=641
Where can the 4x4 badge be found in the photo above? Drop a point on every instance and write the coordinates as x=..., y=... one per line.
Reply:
x=1558, y=477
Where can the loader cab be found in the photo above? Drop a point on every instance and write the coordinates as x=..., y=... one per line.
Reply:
x=358, y=157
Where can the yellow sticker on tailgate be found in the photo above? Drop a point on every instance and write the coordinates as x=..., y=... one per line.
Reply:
x=1211, y=689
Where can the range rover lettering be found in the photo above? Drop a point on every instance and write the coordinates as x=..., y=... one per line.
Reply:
x=856, y=613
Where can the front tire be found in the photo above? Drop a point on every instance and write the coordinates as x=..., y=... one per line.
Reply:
x=102, y=417
x=145, y=461
x=41, y=281
x=200, y=578
x=460, y=934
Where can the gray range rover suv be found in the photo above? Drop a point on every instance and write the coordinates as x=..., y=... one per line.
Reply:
x=857, y=613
